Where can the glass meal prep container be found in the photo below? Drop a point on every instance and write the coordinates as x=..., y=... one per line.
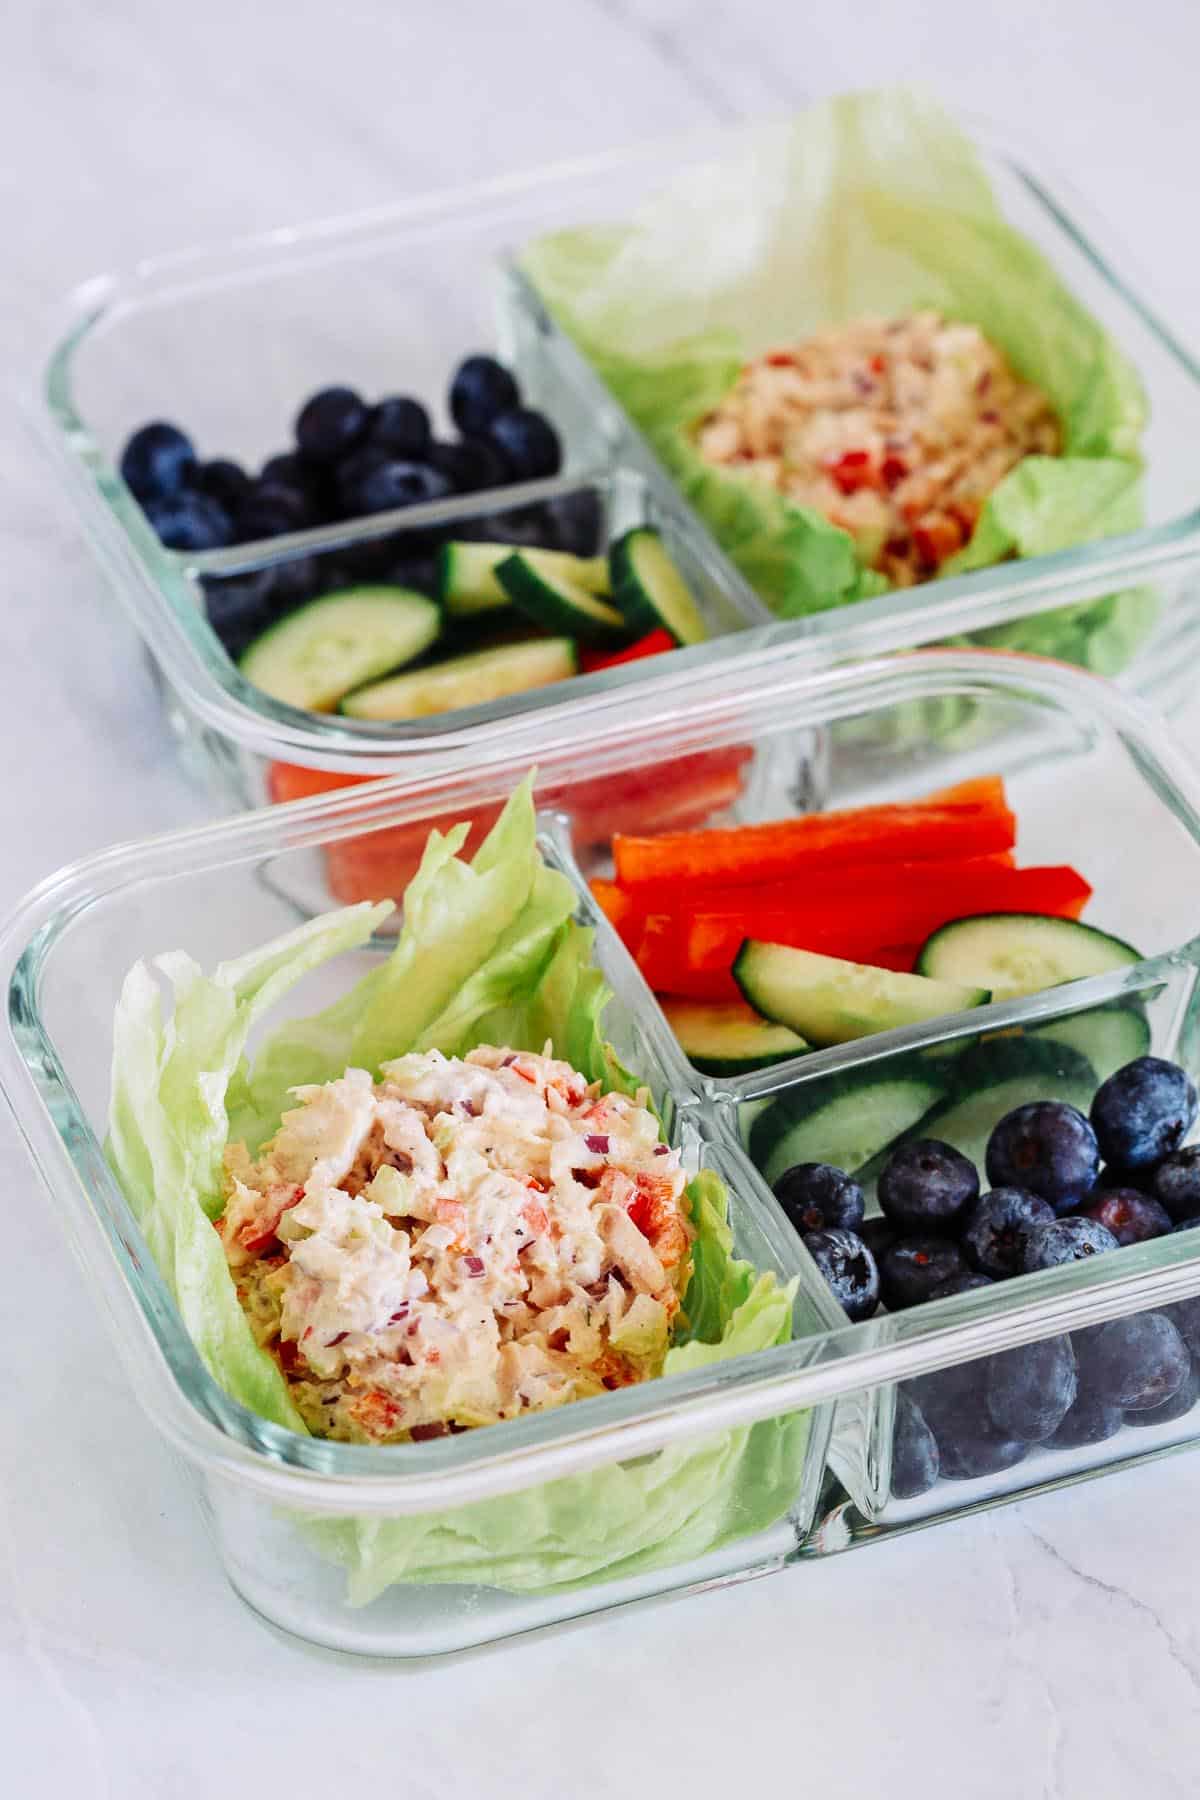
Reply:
x=809, y=1423
x=390, y=301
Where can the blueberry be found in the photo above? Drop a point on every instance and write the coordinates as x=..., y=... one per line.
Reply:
x=416, y=570
x=1132, y=1218
x=288, y=469
x=1175, y=1183
x=482, y=389
x=575, y=522
x=190, y=521
x=1143, y=1112
x=239, y=608
x=817, y=1197
x=952, y=1401
x=1132, y=1363
x=1031, y=1389
x=1110, y=1178
x=393, y=483
x=223, y=481
x=300, y=578
x=997, y=1230
x=965, y=1283
x=1064, y=1241
x=914, y=1452
x=270, y=510
x=984, y=1452
x=157, y=461
x=331, y=422
x=349, y=475
x=927, y=1186
x=1185, y=1316
x=1047, y=1148
x=1089, y=1421
x=401, y=427
x=1186, y=1224
x=849, y=1268
x=913, y=1267
x=1180, y=1403
x=528, y=443
x=469, y=466
x=878, y=1235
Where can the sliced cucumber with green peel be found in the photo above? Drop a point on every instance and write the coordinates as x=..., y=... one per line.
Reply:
x=321, y=651
x=846, y=1121
x=650, y=590
x=727, y=1039
x=470, y=680
x=1109, y=1036
x=829, y=1001
x=1021, y=953
x=556, y=602
x=466, y=578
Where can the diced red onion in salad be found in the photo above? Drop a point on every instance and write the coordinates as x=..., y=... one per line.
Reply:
x=473, y=1265
x=597, y=1144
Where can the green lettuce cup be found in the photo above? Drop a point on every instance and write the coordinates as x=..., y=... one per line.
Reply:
x=489, y=952
x=870, y=204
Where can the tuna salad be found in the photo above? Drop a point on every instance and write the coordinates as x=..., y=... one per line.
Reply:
x=896, y=430
x=462, y=1242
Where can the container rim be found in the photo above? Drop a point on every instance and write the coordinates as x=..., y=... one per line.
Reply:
x=225, y=1438
x=215, y=694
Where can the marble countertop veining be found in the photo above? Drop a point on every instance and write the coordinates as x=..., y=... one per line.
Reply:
x=1051, y=1649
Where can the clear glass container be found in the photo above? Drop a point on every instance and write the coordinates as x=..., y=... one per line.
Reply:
x=1092, y=778
x=391, y=300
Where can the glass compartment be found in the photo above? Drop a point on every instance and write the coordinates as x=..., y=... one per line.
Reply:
x=279, y=1502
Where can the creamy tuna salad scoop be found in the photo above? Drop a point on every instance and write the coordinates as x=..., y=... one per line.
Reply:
x=465, y=1240
x=896, y=430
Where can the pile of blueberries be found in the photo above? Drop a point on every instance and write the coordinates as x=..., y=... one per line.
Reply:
x=1063, y=1187
x=350, y=459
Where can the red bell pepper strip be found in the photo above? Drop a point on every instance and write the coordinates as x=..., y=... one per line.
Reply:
x=710, y=940
x=969, y=821
x=655, y=643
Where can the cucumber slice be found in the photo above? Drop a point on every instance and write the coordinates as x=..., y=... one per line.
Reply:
x=1021, y=953
x=470, y=680
x=729, y=1039
x=847, y=1123
x=321, y=651
x=833, y=1002
x=557, y=603
x=466, y=578
x=649, y=589
x=1109, y=1037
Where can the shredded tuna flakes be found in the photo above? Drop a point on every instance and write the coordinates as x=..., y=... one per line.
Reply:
x=897, y=430
x=463, y=1241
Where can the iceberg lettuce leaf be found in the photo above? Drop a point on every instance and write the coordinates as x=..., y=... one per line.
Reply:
x=488, y=952
x=868, y=204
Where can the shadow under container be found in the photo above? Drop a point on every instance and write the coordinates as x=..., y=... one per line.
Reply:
x=417, y=1549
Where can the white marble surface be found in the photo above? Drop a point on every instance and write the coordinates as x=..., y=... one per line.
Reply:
x=1051, y=1649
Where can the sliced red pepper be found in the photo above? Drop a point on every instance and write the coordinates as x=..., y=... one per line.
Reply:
x=710, y=940
x=655, y=643
x=835, y=890
x=959, y=823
